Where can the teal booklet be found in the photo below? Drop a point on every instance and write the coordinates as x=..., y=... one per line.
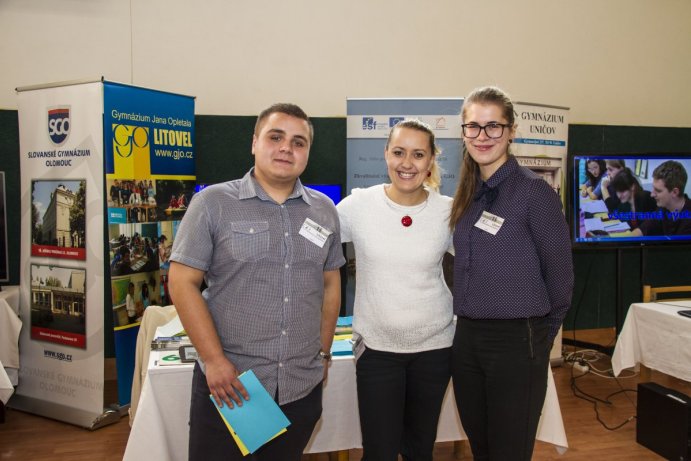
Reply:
x=258, y=420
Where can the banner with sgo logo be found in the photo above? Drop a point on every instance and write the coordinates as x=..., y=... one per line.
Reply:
x=368, y=126
x=150, y=179
x=61, y=372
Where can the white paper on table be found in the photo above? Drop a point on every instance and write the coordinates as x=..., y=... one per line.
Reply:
x=595, y=206
x=618, y=226
x=172, y=328
x=592, y=224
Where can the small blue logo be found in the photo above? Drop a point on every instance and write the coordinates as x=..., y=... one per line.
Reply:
x=394, y=120
x=117, y=216
x=58, y=124
x=368, y=123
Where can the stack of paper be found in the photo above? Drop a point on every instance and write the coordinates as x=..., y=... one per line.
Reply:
x=594, y=206
x=172, y=328
x=344, y=325
x=614, y=225
x=593, y=224
x=257, y=421
x=343, y=344
x=170, y=337
x=342, y=347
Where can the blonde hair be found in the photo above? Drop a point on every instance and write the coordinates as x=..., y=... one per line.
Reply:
x=470, y=171
x=433, y=181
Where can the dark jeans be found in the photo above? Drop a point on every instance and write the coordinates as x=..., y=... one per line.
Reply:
x=499, y=370
x=400, y=397
x=210, y=439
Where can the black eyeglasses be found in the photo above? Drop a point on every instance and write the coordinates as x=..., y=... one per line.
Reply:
x=492, y=130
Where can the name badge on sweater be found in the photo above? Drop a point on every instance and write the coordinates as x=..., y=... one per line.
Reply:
x=489, y=223
x=314, y=232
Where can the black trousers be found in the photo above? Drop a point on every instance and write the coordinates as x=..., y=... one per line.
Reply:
x=210, y=439
x=400, y=398
x=499, y=370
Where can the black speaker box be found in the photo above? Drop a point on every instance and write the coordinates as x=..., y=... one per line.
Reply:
x=664, y=421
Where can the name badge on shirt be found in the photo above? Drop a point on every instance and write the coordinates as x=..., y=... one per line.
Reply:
x=489, y=223
x=314, y=232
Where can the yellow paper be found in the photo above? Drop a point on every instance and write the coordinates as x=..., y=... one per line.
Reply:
x=241, y=446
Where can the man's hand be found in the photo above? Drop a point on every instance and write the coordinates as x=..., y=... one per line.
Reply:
x=222, y=378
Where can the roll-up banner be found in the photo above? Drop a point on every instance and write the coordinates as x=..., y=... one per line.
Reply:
x=61, y=296
x=71, y=136
x=368, y=126
x=541, y=142
x=150, y=167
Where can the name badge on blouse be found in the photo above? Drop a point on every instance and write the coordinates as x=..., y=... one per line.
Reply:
x=314, y=232
x=489, y=223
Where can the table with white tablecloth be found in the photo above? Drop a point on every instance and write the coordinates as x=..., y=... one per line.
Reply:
x=160, y=429
x=10, y=326
x=656, y=336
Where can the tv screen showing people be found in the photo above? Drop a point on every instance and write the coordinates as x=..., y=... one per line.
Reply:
x=631, y=198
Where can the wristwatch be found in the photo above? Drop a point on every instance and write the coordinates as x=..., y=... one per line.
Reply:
x=325, y=356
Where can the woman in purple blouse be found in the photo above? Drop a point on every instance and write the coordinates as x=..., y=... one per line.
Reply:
x=513, y=279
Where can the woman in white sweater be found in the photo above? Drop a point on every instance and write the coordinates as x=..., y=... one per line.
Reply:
x=403, y=318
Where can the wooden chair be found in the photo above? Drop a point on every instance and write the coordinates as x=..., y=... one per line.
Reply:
x=650, y=293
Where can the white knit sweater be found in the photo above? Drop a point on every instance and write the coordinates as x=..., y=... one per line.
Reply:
x=402, y=303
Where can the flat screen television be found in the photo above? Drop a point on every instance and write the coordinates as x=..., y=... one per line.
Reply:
x=629, y=199
x=333, y=191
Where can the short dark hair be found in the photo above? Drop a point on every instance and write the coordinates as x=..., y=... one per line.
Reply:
x=284, y=108
x=672, y=174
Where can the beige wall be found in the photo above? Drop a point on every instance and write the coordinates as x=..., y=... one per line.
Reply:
x=622, y=62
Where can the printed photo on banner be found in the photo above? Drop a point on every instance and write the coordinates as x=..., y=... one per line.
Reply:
x=135, y=200
x=174, y=196
x=548, y=168
x=132, y=294
x=133, y=248
x=58, y=305
x=139, y=263
x=147, y=200
x=58, y=218
x=168, y=230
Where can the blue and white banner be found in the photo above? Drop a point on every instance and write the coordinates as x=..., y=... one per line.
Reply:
x=150, y=180
x=368, y=126
x=152, y=133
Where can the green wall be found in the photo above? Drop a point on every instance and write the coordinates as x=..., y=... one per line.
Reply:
x=9, y=163
x=223, y=153
x=224, y=146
